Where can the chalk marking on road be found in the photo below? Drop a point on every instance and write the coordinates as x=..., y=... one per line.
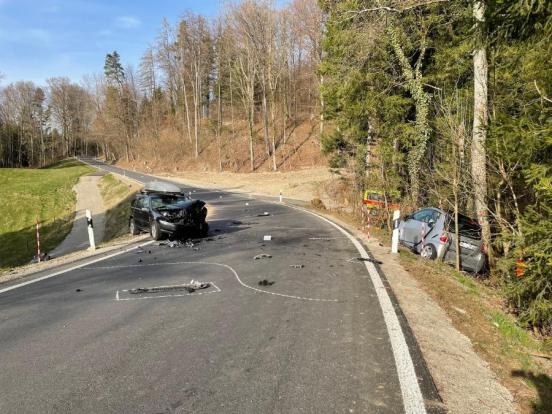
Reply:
x=413, y=400
x=180, y=295
x=79, y=266
x=221, y=265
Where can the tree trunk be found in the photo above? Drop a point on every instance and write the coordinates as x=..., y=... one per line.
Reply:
x=480, y=121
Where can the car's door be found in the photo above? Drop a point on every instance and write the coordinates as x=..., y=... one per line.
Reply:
x=410, y=228
x=140, y=212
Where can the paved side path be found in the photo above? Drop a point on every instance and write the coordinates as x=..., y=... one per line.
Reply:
x=88, y=197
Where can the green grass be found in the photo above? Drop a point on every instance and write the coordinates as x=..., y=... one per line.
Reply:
x=118, y=195
x=28, y=194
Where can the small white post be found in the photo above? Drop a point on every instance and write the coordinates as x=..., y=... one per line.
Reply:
x=90, y=226
x=395, y=237
x=281, y=196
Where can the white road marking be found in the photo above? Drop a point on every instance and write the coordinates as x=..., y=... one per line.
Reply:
x=69, y=269
x=221, y=265
x=413, y=400
x=218, y=290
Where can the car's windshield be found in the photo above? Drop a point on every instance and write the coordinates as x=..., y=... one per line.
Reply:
x=168, y=201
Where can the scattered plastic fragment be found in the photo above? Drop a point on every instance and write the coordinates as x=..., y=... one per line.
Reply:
x=267, y=237
x=265, y=282
x=364, y=259
x=262, y=256
x=188, y=287
x=265, y=214
x=297, y=266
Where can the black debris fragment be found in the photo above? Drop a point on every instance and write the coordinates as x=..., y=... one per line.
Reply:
x=149, y=251
x=265, y=282
x=140, y=260
x=262, y=256
x=297, y=266
x=364, y=259
x=188, y=287
x=78, y=290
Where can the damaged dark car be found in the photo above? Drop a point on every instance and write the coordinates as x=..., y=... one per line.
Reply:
x=164, y=210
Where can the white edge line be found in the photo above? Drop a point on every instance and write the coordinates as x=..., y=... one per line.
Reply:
x=69, y=269
x=413, y=400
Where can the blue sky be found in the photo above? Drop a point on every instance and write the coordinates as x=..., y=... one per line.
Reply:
x=46, y=38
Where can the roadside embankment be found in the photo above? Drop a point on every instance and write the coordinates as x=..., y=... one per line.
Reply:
x=117, y=193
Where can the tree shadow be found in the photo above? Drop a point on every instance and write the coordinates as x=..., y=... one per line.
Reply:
x=543, y=385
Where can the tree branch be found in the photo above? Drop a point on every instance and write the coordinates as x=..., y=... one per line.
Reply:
x=395, y=10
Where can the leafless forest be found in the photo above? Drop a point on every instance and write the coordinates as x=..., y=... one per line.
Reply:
x=226, y=93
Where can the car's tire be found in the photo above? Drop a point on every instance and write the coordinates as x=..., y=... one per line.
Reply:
x=132, y=228
x=428, y=252
x=203, y=229
x=155, y=231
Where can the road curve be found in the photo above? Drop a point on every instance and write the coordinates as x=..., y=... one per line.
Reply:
x=320, y=339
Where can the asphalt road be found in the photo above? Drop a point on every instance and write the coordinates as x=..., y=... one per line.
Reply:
x=315, y=341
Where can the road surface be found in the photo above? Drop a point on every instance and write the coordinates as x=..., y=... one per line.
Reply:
x=319, y=338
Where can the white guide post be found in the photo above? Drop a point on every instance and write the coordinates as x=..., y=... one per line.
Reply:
x=90, y=226
x=395, y=237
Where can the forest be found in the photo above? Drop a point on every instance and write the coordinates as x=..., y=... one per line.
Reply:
x=446, y=102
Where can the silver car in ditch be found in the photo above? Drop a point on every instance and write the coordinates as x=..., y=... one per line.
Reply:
x=430, y=233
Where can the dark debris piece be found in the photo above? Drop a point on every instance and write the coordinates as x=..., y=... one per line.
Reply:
x=188, y=287
x=78, y=290
x=366, y=259
x=265, y=282
x=297, y=266
x=262, y=256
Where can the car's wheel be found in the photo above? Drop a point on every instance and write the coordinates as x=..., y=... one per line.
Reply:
x=155, y=231
x=428, y=252
x=132, y=227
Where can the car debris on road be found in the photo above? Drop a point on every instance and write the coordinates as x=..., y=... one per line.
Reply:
x=188, y=287
x=262, y=256
x=297, y=266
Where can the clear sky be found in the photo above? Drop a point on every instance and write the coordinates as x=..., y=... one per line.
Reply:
x=46, y=38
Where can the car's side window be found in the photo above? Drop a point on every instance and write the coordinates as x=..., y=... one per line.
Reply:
x=421, y=215
x=426, y=216
x=141, y=202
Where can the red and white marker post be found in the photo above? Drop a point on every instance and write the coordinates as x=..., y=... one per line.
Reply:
x=38, y=239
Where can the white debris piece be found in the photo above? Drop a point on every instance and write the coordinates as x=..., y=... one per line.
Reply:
x=267, y=238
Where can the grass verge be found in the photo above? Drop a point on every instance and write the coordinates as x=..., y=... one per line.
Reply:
x=117, y=195
x=45, y=194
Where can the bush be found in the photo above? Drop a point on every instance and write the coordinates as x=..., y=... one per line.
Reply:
x=530, y=295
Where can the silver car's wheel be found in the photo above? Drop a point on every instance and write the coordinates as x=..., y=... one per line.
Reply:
x=428, y=252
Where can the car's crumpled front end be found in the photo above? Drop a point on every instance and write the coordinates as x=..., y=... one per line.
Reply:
x=182, y=219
